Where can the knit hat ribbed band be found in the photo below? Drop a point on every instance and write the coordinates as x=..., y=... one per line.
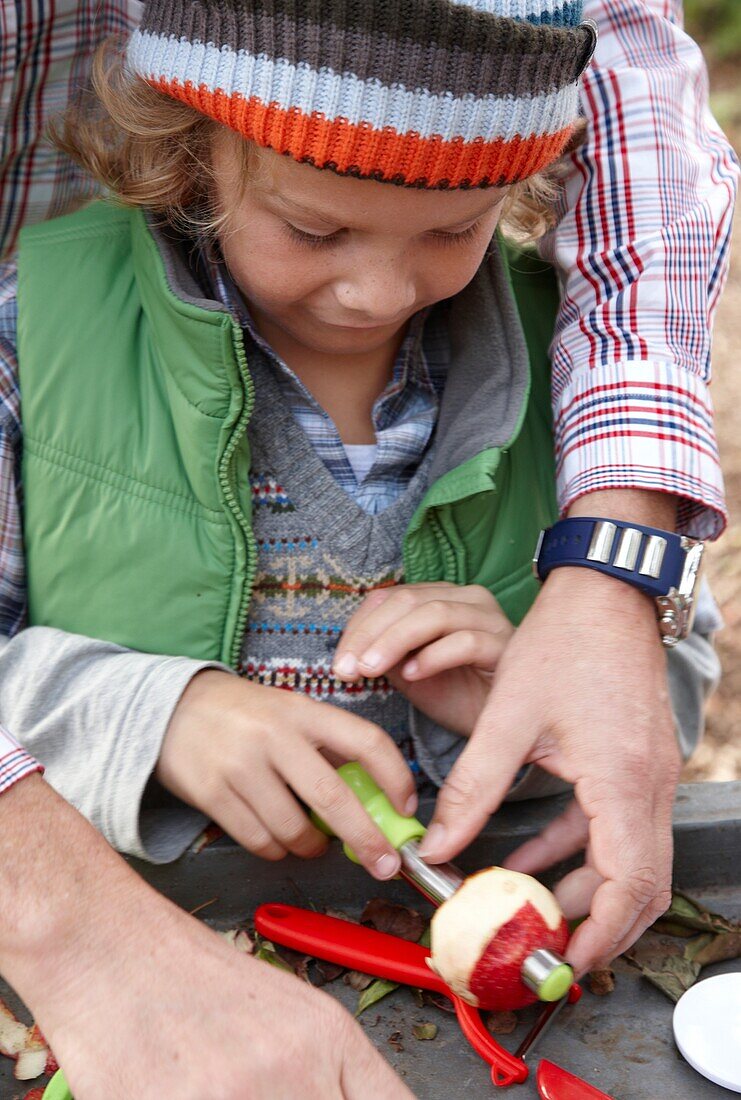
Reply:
x=424, y=93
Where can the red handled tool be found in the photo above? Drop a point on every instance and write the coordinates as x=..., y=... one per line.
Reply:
x=389, y=957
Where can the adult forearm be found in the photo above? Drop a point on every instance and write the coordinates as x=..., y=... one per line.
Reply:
x=55, y=871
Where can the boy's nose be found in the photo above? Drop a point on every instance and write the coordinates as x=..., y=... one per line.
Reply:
x=377, y=297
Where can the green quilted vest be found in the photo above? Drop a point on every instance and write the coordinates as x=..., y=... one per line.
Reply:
x=136, y=461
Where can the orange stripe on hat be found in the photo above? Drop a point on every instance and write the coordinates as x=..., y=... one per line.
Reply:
x=361, y=150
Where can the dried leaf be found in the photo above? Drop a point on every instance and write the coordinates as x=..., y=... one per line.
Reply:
x=239, y=939
x=325, y=972
x=601, y=981
x=438, y=1001
x=395, y=1040
x=340, y=914
x=501, y=1023
x=424, y=1031
x=397, y=920
x=373, y=994
x=726, y=945
x=685, y=913
x=673, y=975
x=35, y=1094
x=357, y=980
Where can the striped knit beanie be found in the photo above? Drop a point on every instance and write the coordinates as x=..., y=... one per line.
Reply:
x=423, y=93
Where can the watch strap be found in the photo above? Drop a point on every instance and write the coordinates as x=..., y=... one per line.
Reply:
x=647, y=558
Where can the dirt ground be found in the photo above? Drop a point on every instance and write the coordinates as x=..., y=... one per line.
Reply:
x=719, y=756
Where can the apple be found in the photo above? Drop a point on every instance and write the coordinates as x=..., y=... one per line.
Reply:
x=481, y=936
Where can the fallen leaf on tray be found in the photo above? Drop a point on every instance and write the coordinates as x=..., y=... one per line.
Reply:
x=340, y=914
x=501, y=1023
x=395, y=1040
x=35, y=1094
x=381, y=988
x=673, y=975
x=424, y=1031
x=719, y=939
x=325, y=972
x=357, y=980
x=601, y=981
x=685, y=916
x=267, y=952
x=438, y=1000
x=374, y=993
x=239, y=939
x=397, y=920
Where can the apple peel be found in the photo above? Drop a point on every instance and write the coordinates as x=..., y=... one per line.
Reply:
x=482, y=935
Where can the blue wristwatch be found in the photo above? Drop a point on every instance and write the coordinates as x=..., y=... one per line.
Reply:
x=665, y=566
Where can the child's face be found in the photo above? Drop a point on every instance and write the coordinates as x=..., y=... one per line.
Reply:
x=339, y=265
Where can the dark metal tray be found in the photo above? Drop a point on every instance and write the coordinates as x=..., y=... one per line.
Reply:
x=622, y=1043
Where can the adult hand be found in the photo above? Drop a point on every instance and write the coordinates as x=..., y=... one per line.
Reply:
x=245, y=754
x=582, y=691
x=437, y=643
x=138, y=999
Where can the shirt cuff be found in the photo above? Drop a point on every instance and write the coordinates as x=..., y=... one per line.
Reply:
x=15, y=762
x=641, y=425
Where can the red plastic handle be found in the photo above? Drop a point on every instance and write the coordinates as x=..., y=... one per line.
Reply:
x=384, y=956
x=354, y=945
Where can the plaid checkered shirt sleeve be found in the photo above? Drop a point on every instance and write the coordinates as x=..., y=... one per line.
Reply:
x=642, y=246
x=15, y=762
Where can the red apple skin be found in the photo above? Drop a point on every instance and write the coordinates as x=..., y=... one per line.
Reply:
x=495, y=981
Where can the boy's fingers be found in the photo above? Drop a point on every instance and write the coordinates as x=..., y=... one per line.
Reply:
x=563, y=837
x=319, y=785
x=281, y=813
x=472, y=648
x=355, y=738
x=381, y=610
x=238, y=820
x=575, y=891
x=435, y=619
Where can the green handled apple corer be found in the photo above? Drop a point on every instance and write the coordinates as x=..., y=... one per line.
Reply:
x=544, y=972
x=57, y=1089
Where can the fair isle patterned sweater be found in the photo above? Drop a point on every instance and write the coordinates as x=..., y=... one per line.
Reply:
x=319, y=555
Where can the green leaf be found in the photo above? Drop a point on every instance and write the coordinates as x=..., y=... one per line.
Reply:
x=266, y=951
x=424, y=1031
x=374, y=993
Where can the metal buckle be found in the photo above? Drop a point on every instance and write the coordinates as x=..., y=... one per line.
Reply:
x=676, y=610
x=536, y=555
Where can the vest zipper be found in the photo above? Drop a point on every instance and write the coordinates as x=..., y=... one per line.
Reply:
x=449, y=557
x=231, y=497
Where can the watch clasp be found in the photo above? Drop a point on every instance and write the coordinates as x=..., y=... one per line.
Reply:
x=676, y=610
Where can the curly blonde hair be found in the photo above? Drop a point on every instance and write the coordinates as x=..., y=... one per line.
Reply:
x=150, y=150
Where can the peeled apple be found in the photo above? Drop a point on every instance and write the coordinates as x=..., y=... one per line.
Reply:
x=481, y=936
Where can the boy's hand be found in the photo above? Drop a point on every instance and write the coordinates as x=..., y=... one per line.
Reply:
x=438, y=643
x=241, y=753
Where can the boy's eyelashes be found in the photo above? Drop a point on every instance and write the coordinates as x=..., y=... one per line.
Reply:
x=316, y=240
